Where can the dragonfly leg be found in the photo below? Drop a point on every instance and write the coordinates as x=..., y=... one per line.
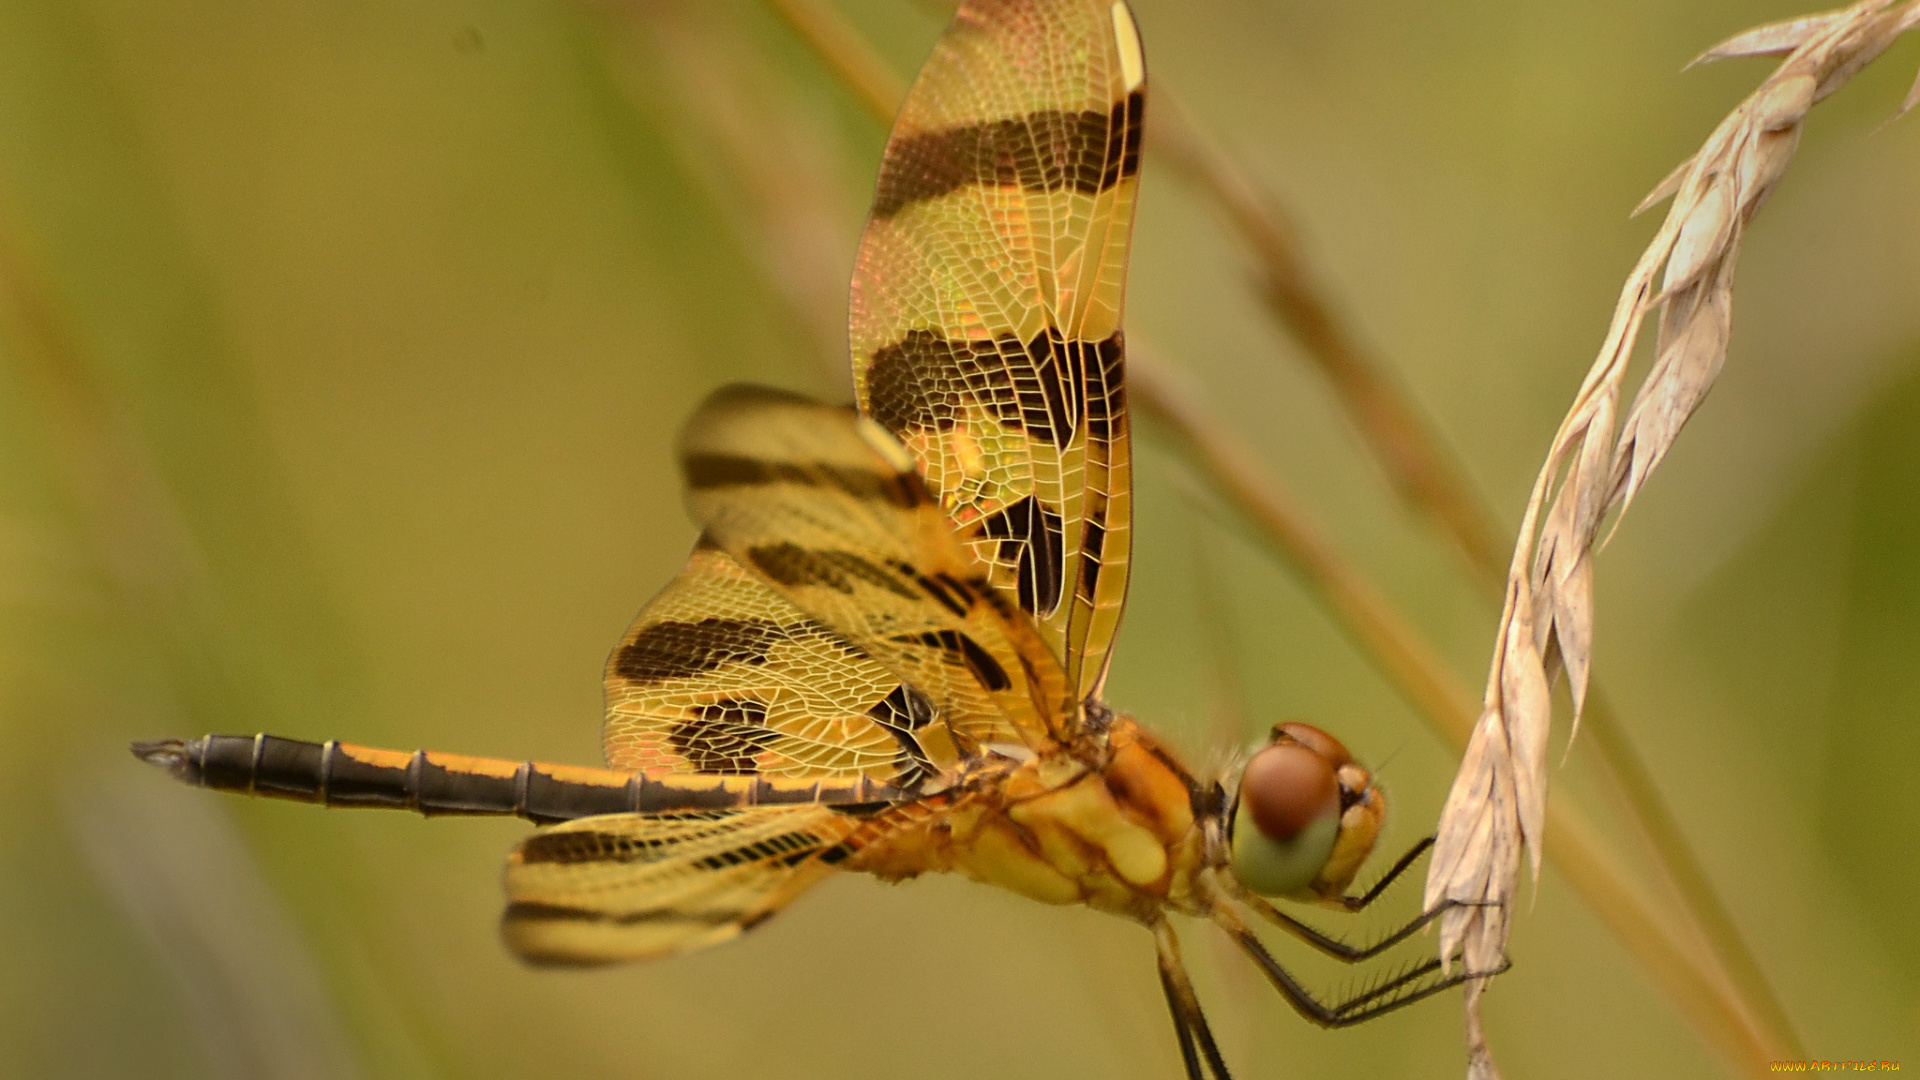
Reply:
x=1421, y=981
x=1320, y=940
x=1189, y=1022
x=1332, y=946
x=1355, y=903
x=1363, y=1002
x=1182, y=1027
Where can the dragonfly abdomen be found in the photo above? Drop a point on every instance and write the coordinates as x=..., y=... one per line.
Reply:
x=343, y=774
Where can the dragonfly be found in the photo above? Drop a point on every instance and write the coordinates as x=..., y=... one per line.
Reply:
x=887, y=650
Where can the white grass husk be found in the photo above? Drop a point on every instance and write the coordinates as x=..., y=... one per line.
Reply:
x=1497, y=805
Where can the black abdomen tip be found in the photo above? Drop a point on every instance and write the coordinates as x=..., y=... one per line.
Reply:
x=169, y=754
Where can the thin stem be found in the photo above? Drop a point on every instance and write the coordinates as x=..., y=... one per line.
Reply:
x=874, y=81
x=1709, y=1003
x=1676, y=857
x=1423, y=473
x=1361, y=610
x=124, y=508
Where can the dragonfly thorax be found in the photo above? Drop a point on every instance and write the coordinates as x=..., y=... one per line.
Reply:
x=1119, y=834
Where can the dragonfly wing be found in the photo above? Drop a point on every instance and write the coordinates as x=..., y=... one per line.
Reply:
x=720, y=673
x=829, y=510
x=634, y=886
x=985, y=315
x=960, y=557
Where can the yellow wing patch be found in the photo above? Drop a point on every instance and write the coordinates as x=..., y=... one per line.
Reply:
x=722, y=674
x=828, y=510
x=985, y=315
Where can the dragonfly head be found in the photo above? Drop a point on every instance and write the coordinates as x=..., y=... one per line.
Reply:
x=1305, y=817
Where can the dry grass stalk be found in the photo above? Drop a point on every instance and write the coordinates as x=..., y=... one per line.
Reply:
x=1404, y=443
x=135, y=529
x=1498, y=803
x=878, y=86
x=775, y=160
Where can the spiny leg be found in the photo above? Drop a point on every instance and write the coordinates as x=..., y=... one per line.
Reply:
x=1401, y=990
x=1332, y=946
x=1355, y=903
x=1386, y=988
x=1189, y=1022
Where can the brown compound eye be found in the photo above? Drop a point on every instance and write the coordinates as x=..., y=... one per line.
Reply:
x=1306, y=818
x=1288, y=786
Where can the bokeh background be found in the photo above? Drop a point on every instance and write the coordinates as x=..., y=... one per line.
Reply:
x=343, y=349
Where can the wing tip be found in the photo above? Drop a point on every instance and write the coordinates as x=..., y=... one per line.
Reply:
x=744, y=393
x=559, y=936
x=1126, y=37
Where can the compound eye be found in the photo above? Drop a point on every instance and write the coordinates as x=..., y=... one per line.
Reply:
x=1287, y=821
x=1288, y=787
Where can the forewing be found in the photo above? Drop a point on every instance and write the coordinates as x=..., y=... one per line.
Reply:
x=985, y=319
x=828, y=509
x=720, y=673
x=634, y=886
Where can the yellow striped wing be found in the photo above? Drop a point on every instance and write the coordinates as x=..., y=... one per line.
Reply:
x=720, y=673
x=985, y=314
x=634, y=886
x=830, y=511
x=828, y=625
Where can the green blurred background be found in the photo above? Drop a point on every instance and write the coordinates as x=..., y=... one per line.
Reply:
x=344, y=345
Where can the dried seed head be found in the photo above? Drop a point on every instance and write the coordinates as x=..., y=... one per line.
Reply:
x=1498, y=803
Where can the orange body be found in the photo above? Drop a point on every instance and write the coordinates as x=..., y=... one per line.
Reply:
x=1119, y=835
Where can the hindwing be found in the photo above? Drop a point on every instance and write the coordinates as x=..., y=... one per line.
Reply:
x=720, y=673
x=634, y=886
